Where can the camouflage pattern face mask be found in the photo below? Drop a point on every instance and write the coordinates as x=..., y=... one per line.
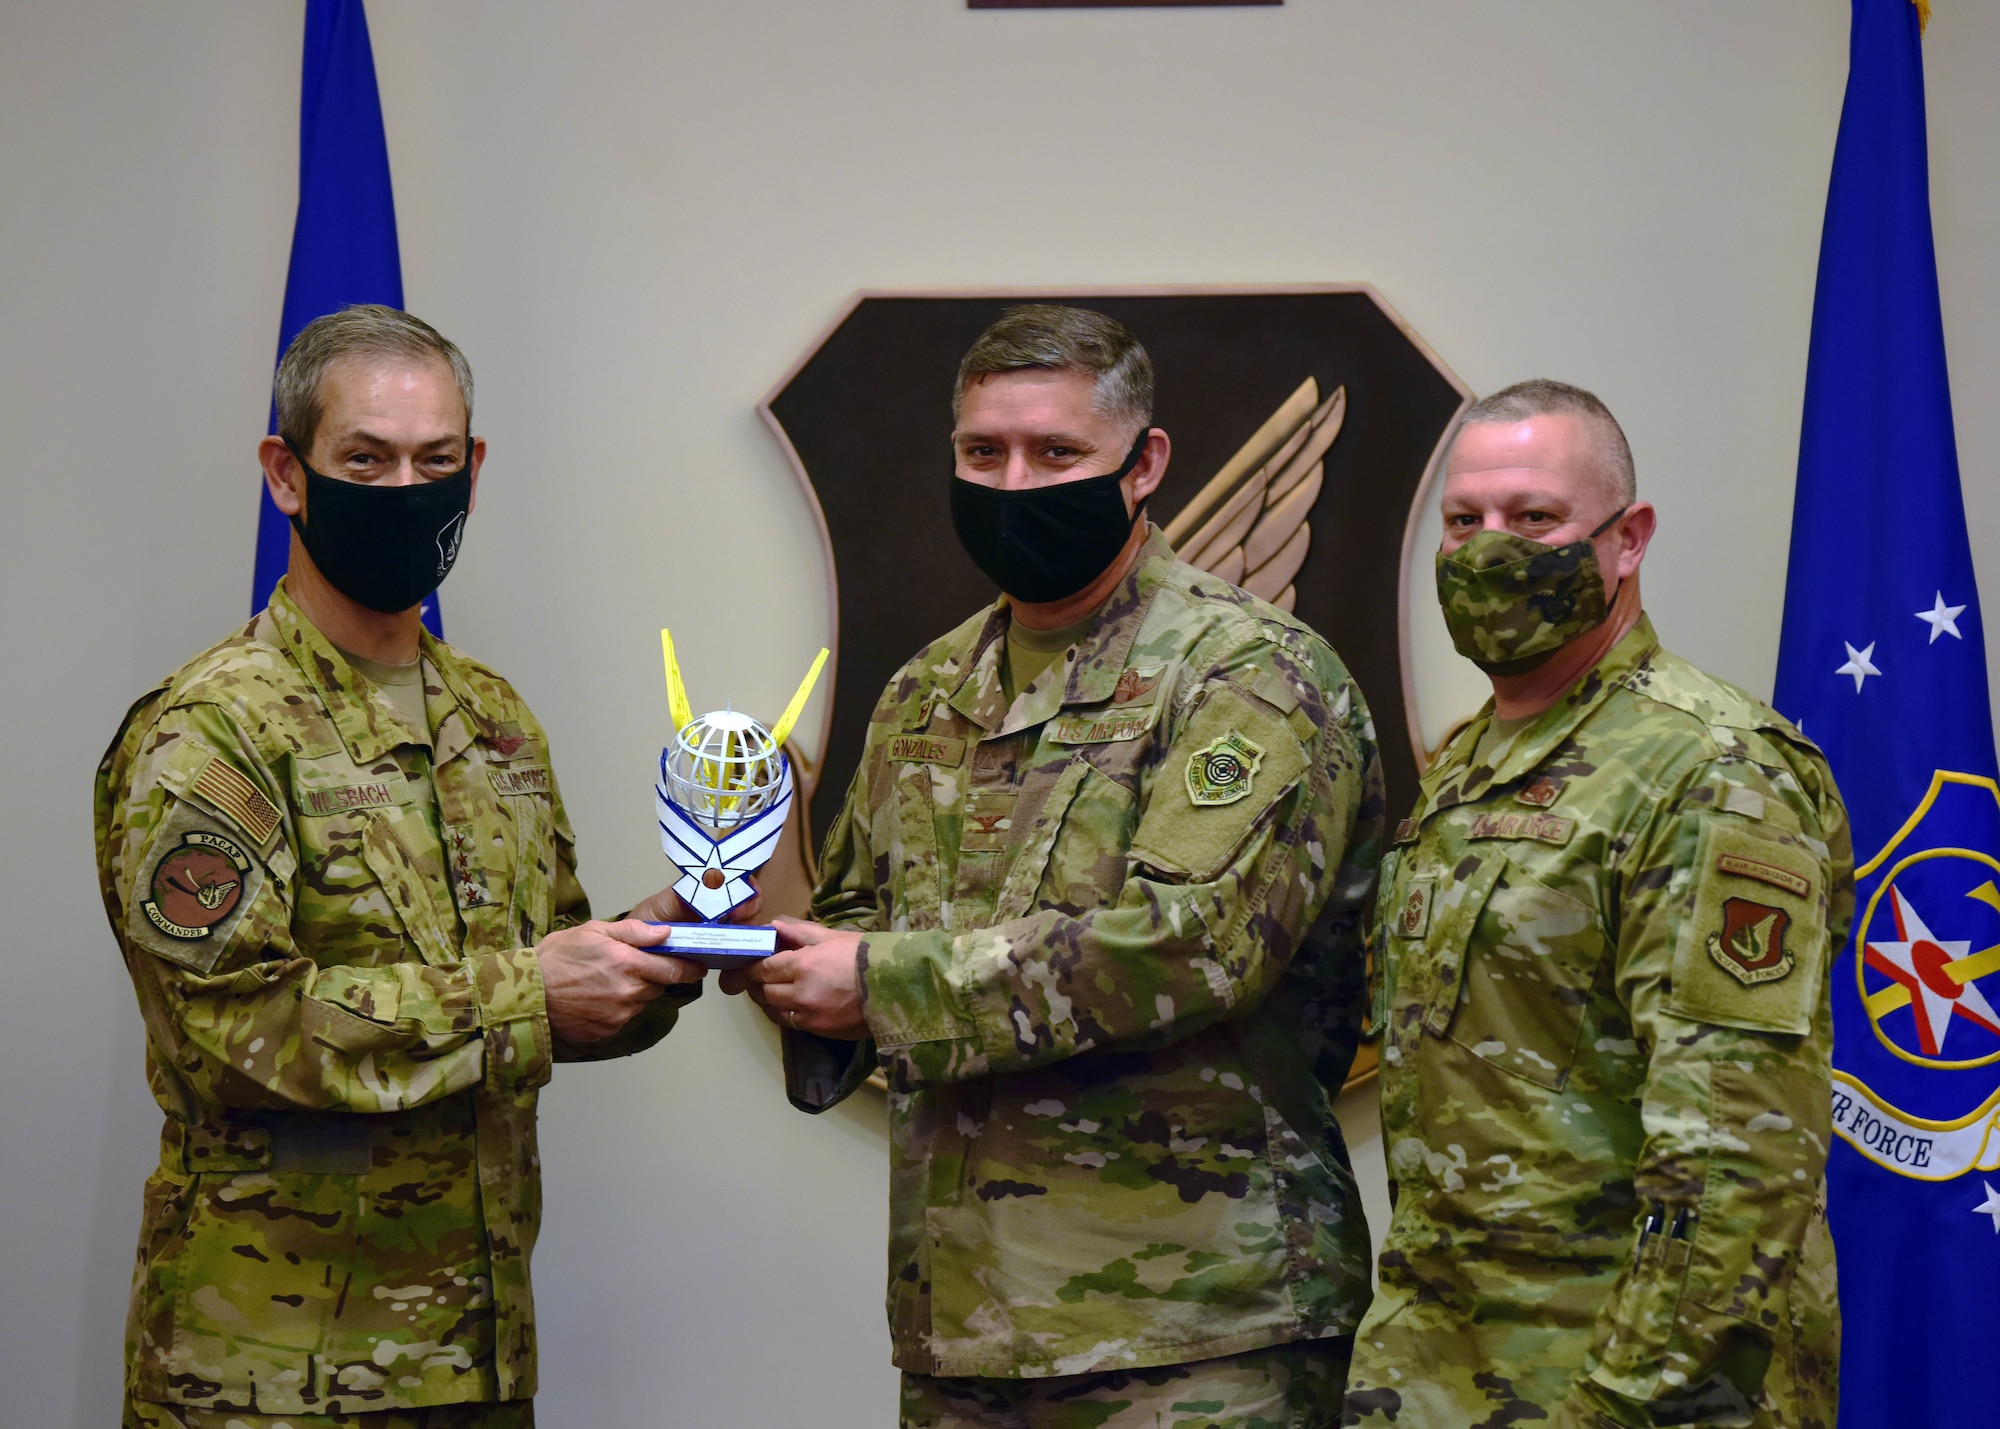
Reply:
x=1510, y=603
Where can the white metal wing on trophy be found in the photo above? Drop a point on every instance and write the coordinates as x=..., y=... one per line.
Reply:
x=725, y=790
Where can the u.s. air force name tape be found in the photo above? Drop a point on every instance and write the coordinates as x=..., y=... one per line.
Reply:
x=1909, y=1146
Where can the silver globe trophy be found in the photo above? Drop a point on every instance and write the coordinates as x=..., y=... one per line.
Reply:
x=724, y=793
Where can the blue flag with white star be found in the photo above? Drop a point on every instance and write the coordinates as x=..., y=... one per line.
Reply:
x=1883, y=663
x=344, y=237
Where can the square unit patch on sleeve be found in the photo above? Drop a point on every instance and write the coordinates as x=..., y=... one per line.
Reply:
x=1233, y=760
x=1752, y=946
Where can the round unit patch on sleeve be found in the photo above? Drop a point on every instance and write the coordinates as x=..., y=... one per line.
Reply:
x=1224, y=771
x=196, y=885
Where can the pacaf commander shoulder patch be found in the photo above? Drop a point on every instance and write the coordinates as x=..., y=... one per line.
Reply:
x=195, y=884
x=1224, y=771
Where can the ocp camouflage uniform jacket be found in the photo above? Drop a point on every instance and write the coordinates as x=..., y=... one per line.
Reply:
x=1604, y=971
x=1113, y=968
x=345, y=1022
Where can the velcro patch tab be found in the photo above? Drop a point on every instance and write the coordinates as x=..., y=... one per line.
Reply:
x=233, y=796
x=529, y=779
x=927, y=749
x=1106, y=728
x=1547, y=828
x=1273, y=689
x=1763, y=872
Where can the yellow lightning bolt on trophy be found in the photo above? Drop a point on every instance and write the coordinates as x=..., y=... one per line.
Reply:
x=725, y=790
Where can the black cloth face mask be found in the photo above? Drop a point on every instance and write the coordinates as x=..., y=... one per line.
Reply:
x=1046, y=543
x=385, y=547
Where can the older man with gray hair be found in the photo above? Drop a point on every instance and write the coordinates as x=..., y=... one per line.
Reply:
x=336, y=861
x=1602, y=973
x=1095, y=904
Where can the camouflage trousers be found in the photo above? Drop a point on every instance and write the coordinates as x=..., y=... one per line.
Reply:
x=506, y=1414
x=1297, y=1386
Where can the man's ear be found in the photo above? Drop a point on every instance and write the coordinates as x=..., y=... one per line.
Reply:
x=284, y=478
x=1144, y=479
x=1634, y=532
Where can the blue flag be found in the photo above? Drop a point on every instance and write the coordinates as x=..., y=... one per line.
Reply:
x=344, y=237
x=1883, y=662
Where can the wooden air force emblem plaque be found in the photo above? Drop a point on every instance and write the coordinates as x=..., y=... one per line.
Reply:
x=1306, y=423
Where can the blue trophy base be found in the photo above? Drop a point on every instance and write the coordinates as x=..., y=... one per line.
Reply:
x=718, y=945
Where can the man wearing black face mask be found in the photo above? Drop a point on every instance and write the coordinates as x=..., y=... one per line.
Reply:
x=336, y=860
x=1602, y=970
x=1095, y=903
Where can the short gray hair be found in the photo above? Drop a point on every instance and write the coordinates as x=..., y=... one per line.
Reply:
x=1066, y=340
x=1544, y=397
x=363, y=330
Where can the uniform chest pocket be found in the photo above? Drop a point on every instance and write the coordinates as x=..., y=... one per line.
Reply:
x=368, y=861
x=1072, y=856
x=505, y=881
x=1528, y=955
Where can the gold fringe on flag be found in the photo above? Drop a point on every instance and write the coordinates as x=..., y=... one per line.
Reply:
x=1923, y=14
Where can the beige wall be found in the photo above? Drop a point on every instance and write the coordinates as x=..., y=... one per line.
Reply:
x=634, y=216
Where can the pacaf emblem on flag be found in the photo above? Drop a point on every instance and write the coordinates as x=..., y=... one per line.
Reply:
x=1926, y=945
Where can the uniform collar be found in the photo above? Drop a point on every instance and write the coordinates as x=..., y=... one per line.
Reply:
x=362, y=721
x=1101, y=655
x=457, y=714
x=1099, y=660
x=1454, y=779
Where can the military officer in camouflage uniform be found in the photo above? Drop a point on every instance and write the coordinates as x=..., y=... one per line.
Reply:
x=1096, y=903
x=334, y=855
x=1602, y=960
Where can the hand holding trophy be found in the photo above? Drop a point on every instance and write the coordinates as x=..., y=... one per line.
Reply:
x=725, y=791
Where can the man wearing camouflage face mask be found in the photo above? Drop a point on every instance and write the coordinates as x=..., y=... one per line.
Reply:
x=1601, y=957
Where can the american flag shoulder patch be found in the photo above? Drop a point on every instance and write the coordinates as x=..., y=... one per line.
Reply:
x=232, y=795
